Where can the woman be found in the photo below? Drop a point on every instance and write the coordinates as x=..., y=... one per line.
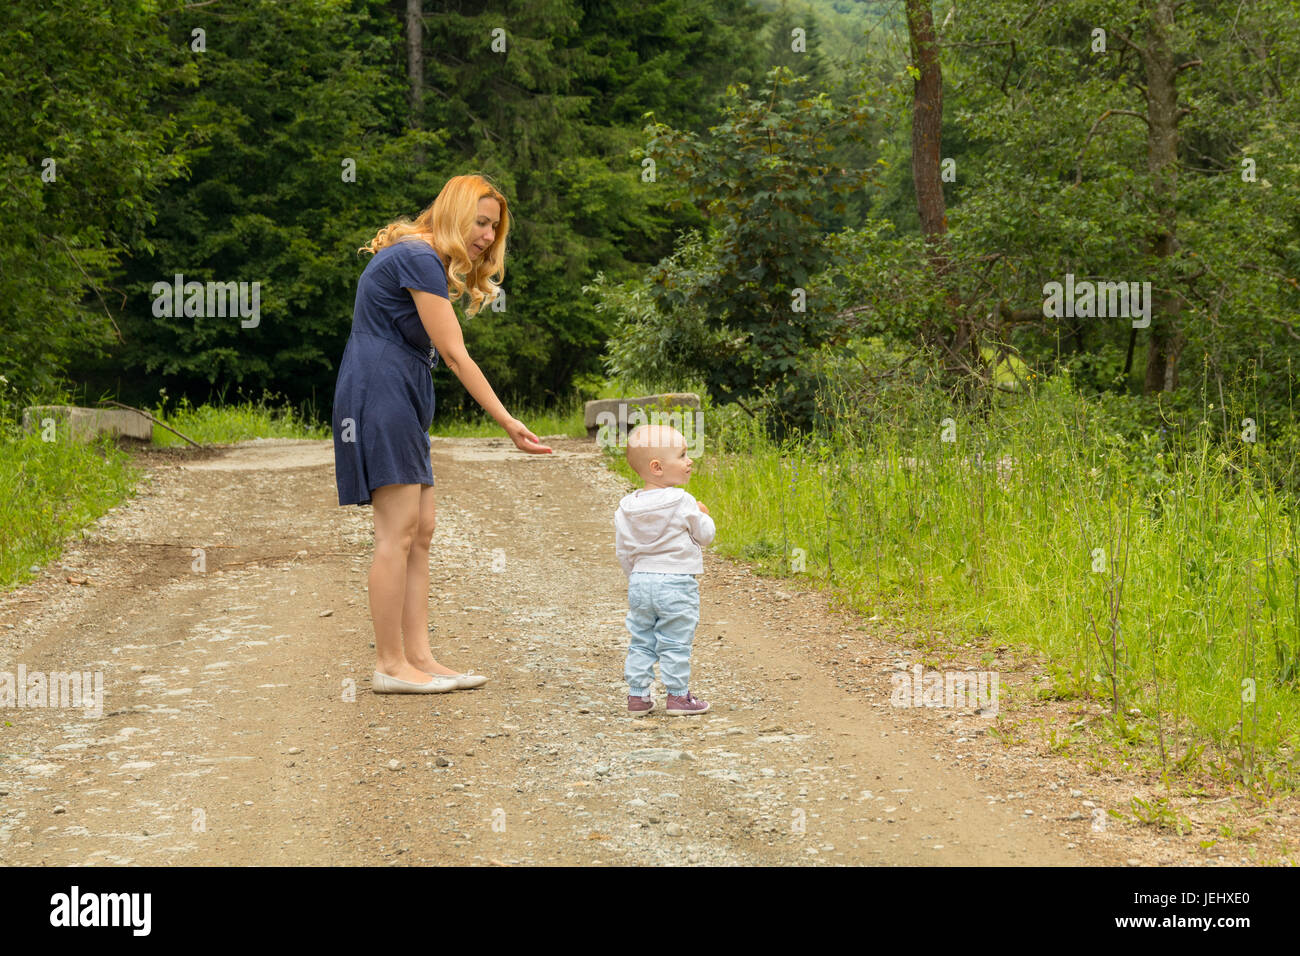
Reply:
x=383, y=406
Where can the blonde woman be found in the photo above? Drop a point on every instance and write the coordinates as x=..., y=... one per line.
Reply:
x=402, y=323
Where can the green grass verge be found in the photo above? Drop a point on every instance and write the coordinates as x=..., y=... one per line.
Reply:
x=221, y=424
x=566, y=420
x=53, y=490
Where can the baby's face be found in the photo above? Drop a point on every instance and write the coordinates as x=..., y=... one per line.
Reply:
x=676, y=464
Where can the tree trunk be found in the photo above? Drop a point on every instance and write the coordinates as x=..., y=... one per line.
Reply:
x=927, y=138
x=415, y=58
x=927, y=127
x=1162, y=164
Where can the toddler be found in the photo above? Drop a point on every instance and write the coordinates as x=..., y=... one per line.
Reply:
x=659, y=534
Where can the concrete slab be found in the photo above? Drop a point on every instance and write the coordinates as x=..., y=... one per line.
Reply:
x=86, y=424
x=620, y=408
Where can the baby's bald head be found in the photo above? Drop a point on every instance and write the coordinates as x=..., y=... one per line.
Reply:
x=648, y=442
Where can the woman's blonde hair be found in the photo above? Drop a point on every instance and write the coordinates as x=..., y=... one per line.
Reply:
x=446, y=225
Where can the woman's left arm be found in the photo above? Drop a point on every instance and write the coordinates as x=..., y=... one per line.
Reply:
x=440, y=322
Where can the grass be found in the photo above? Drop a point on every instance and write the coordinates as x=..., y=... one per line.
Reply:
x=1158, y=577
x=566, y=420
x=221, y=423
x=53, y=490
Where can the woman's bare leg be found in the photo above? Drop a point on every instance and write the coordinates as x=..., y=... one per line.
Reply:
x=397, y=519
x=415, y=612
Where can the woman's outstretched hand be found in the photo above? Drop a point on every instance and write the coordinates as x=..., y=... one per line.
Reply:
x=524, y=439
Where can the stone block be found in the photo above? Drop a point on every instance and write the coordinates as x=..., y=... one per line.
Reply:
x=621, y=408
x=86, y=424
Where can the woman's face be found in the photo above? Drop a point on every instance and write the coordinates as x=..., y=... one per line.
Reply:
x=484, y=231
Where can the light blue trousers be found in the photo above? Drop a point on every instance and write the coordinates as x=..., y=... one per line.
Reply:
x=663, y=610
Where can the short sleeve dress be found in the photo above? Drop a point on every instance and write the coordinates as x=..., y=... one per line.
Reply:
x=383, y=397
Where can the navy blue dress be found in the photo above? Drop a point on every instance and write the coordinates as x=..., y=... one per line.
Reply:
x=383, y=398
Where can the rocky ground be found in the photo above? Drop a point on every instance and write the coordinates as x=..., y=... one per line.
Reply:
x=238, y=726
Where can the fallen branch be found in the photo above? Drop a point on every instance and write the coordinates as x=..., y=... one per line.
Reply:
x=167, y=544
x=152, y=419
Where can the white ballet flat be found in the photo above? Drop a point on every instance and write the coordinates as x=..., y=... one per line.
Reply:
x=469, y=680
x=465, y=681
x=383, y=684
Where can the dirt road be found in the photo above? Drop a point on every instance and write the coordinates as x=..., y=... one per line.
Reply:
x=238, y=726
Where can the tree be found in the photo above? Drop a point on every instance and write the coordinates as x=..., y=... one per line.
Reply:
x=81, y=158
x=763, y=180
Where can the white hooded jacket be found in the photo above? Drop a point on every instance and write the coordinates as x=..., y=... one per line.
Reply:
x=661, y=530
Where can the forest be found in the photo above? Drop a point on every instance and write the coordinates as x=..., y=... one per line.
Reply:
x=677, y=171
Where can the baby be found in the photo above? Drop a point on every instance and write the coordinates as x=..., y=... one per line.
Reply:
x=659, y=534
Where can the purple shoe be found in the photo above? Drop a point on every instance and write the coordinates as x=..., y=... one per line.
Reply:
x=690, y=704
x=640, y=706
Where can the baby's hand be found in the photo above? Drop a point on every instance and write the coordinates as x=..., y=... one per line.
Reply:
x=703, y=507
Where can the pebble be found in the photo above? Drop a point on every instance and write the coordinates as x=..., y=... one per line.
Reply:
x=1076, y=815
x=1076, y=793
x=394, y=765
x=60, y=810
x=673, y=830
x=660, y=754
x=295, y=750
x=443, y=761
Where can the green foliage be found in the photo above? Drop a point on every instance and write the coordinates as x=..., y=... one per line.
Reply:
x=644, y=342
x=262, y=120
x=1052, y=161
x=557, y=118
x=81, y=158
x=286, y=94
x=565, y=418
x=763, y=179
